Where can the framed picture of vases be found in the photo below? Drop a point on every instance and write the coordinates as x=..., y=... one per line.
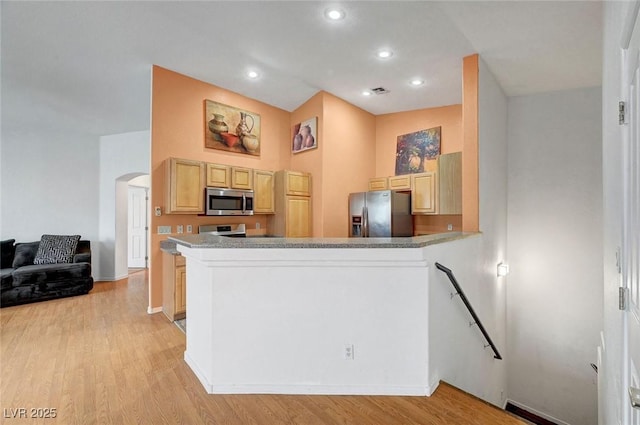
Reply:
x=231, y=129
x=304, y=136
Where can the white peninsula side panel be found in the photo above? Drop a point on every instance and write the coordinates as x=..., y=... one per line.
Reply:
x=285, y=320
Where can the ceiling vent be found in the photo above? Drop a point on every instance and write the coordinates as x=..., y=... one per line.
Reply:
x=380, y=90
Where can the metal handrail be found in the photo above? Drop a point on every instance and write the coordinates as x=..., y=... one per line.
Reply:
x=464, y=299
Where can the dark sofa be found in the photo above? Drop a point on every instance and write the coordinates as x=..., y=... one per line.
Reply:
x=25, y=282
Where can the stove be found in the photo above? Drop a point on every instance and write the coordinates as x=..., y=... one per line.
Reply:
x=229, y=230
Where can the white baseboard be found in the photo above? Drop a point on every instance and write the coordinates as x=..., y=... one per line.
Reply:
x=434, y=386
x=304, y=389
x=153, y=310
x=537, y=413
x=312, y=389
x=109, y=278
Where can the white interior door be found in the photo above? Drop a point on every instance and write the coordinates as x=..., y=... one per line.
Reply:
x=630, y=251
x=137, y=227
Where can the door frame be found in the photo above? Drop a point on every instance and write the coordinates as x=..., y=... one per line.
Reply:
x=630, y=246
x=146, y=224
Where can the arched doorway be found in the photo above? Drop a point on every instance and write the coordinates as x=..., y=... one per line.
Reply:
x=130, y=210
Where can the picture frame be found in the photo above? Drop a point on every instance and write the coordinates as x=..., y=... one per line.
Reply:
x=304, y=135
x=413, y=149
x=231, y=129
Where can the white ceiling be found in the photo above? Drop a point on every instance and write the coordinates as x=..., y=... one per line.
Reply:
x=86, y=66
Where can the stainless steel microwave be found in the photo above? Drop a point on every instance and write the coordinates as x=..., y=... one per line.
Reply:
x=219, y=201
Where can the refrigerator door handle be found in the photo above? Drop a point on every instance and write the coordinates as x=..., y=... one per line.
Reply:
x=365, y=222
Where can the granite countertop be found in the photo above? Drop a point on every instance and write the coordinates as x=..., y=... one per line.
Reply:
x=210, y=241
x=169, y=247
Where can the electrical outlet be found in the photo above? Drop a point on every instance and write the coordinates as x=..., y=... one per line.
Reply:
x=189, y=228
x=164, y=230
x=257, y=225
x=349, y=353
x=449, y=226
x=157, y=211
x=180, y=228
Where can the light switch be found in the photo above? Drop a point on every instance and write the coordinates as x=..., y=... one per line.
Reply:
x=164, y=230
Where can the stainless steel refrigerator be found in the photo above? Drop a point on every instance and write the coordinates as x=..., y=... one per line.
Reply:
x=379, y=214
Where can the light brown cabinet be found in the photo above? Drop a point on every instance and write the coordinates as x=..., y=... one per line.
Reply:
x=218, y=175
x=241, y=178
x=296, y=183
x=293, y=216
x=378, y=183
x=402, y=182
x=424, y=193
x=184, y=186
x=440, y=191
x=263, y=196
x=174, y=286
x=297, y=216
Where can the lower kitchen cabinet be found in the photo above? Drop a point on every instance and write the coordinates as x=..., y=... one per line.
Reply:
x=174, y=286
x=298, y=216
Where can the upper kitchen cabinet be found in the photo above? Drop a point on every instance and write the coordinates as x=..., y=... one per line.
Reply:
x=424, y=193
x=185, y=180
x=241, y=178
x=296, y=183
x=218, y=175
x=440, y=191
x=263, y=187
x=378, y=183
x=400, y=182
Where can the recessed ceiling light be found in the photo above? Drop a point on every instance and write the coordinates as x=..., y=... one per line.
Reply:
x=366, y=93
x=385, y=53
x=334, y=14
x=417, y=82
x=252, y=74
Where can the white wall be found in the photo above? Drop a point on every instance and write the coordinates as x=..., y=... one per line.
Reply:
x=122, y=157
x=48, y=185
x=612, y=396
x=554, y=250
x=278, y=320
x=457, y=353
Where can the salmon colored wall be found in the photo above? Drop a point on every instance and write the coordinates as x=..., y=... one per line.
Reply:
x=470, y=197
x=178, y=130
x=390, y=126
x=348, y=160
x=310, y=161
x=342, y=163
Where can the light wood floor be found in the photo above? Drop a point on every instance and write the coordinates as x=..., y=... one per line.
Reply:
x=101, y=359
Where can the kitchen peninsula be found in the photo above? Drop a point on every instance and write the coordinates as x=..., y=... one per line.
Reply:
x=309, y=315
